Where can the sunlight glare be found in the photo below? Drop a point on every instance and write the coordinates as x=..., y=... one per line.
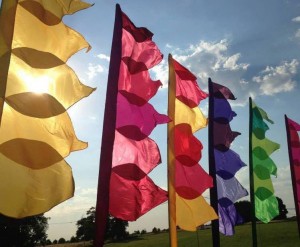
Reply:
x=37, y=84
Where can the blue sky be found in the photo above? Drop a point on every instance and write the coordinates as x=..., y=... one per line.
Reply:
x=252, y=47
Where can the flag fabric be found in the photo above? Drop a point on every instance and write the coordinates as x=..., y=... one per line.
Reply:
x=266, y=205
x=37, y=88
x=130, y=118
x=189, y=179
x=130, y=185
x=226, y=161
x=293, y=140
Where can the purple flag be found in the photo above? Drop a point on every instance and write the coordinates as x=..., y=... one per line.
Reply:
x=227, y=162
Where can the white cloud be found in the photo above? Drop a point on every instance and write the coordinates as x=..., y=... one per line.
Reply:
x=160, y=72
x=65, y=215
x=214, y=56
x=104, y=57
x=252, y=95
x=283, y=188
x=208, y=59
x=94, y=70
x=79, y=204
x=297, y=34
x=204, y=108
x=296, y=19
x=243, y=81
x=169, y=46
x=213, y=59
x=273, y=80
x=231, y=63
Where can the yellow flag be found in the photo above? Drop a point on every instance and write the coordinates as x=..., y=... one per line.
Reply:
x=192, y=213
x=36, y=89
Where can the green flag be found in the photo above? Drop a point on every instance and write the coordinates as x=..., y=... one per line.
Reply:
x=266, y=205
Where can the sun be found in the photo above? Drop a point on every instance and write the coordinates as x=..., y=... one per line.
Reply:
x=40, y=85
x=37, y=84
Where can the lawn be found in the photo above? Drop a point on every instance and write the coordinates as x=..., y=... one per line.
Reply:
x=275, y=234
x=279, y=234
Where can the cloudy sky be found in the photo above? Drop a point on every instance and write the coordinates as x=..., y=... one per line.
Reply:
x=252, y=47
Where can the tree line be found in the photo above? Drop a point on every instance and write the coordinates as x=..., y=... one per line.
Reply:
x=31, y=231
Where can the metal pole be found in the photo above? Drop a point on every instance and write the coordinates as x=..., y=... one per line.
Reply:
x=251, y=178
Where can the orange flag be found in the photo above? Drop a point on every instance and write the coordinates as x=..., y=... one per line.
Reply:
x=36, y=89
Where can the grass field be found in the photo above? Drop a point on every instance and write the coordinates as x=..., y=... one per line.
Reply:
x=276, y=234
x=279, y=234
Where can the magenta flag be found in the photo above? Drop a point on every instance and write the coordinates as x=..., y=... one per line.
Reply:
x=127, y=153
x=293, y=140
x=130, y=185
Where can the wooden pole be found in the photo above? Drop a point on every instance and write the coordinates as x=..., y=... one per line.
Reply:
x=108, y=131
x=212, y=166
x=171, y=155
x=251, y=178
x=292, y=168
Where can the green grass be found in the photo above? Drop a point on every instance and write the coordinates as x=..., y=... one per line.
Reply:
x=279, y=234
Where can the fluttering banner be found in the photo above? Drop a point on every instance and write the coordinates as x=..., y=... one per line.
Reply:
x=36, y=89
x=293, y=141
x=128, y=154
x=189, y=178
x=134, y=153
x=266, y=204
x=227, y=162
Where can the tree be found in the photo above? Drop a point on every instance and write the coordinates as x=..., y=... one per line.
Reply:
x=24, y=232
x=282, y=210
x=155, y=230
x=243, y=208
x=73, y=239
x=117, y=230
x=86, y=227
x=61, y=241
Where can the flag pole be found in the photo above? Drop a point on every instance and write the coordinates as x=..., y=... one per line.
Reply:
x=108, y=131
x=212, y=166
x=288, y=134
x=5, y=61
x=251, y=178
x=171, y=156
